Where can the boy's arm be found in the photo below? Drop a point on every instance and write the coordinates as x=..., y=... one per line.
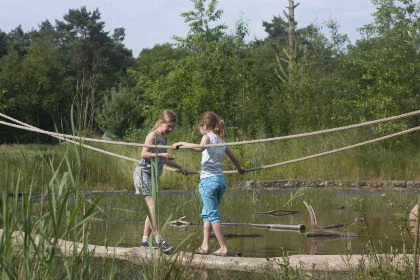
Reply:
x=235, y=160
x=145, y=152
x=204, y=141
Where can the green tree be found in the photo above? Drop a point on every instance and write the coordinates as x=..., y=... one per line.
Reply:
x=201, y=35
x=210, y=77
x=34, y=81
x=383, y=65
x=119, y=112
x=96, y=59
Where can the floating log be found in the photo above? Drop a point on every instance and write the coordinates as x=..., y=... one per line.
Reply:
x=181, y=222
x=301, y=228
x=305, y=263
x=331, y=234
x=335, y=226
x=272, y=212
x=234, y=235
x=317, y=231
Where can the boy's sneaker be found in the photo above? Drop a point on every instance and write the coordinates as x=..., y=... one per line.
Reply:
x=146, y=243
x=165, y=246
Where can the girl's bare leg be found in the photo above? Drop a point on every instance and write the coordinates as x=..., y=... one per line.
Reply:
x=147, y=226
x=206, y=239
x=217, y=228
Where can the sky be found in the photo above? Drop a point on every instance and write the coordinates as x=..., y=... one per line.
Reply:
x=151, y=22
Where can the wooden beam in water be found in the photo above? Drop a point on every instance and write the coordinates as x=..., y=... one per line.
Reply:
x=300, y=228
x=306, y=263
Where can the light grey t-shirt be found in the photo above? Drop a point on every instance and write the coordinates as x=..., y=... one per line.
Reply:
x=211, y=160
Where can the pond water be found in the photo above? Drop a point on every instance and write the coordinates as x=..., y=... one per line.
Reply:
x=121, y=224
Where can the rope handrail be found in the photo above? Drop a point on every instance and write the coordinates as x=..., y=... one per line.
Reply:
x=329, y=152
x=222, y=144
x=246, y=170
x=25, y=126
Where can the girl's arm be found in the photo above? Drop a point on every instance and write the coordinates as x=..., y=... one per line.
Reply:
x=235, y=160
x=204, y=141
x=145, y=152
x=172, y=163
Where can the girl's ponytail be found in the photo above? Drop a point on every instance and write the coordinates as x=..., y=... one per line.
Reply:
x=213, y=122
x=220, y=129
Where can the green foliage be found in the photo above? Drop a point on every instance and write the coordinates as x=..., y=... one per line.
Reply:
x=276, y=29
x=382, y=65
x=211, y=77
x=2, y=92
x=201, y=34
x=45, y=71
x=120, y=111
x=59, y=214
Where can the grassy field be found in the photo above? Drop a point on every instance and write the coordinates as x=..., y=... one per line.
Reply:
x=395, y=159
x=63, y=172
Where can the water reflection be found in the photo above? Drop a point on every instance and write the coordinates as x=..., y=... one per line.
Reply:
x=120, y=224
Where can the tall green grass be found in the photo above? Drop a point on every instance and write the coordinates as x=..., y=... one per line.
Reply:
x=59, y=212
x=395, y=159
x=51, y=208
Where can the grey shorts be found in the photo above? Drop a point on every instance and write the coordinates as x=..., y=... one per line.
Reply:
x=143, y=181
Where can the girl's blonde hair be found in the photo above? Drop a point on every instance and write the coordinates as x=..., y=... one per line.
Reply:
x=166, y=116
x=213, y=122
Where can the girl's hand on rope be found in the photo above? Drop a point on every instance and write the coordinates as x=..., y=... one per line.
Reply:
x=183, y=171
x=241, y=170
x=176, y=146
x=166, y=156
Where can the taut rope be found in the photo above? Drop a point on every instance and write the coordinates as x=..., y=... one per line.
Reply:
x=59, y=136
x=54, y=134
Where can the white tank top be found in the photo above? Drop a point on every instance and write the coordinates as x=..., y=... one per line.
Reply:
x=211, y=160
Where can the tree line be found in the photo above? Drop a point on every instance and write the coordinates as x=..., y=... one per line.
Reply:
x=74, y=73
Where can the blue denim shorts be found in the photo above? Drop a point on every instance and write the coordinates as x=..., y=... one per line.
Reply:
x=211, y=190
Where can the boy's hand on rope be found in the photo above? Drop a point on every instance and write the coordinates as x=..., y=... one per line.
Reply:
x=166, y=156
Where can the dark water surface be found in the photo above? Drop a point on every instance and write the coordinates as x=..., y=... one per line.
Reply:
x=120, y=223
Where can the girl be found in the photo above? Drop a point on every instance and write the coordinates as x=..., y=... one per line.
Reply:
x=142, y=174
x=212, y=182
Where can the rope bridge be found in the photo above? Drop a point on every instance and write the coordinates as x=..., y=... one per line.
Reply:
x=67, y=138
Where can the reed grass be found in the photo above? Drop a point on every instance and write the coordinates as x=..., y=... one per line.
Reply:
x=57, y=215
x=59, y=211
x=396, y=159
